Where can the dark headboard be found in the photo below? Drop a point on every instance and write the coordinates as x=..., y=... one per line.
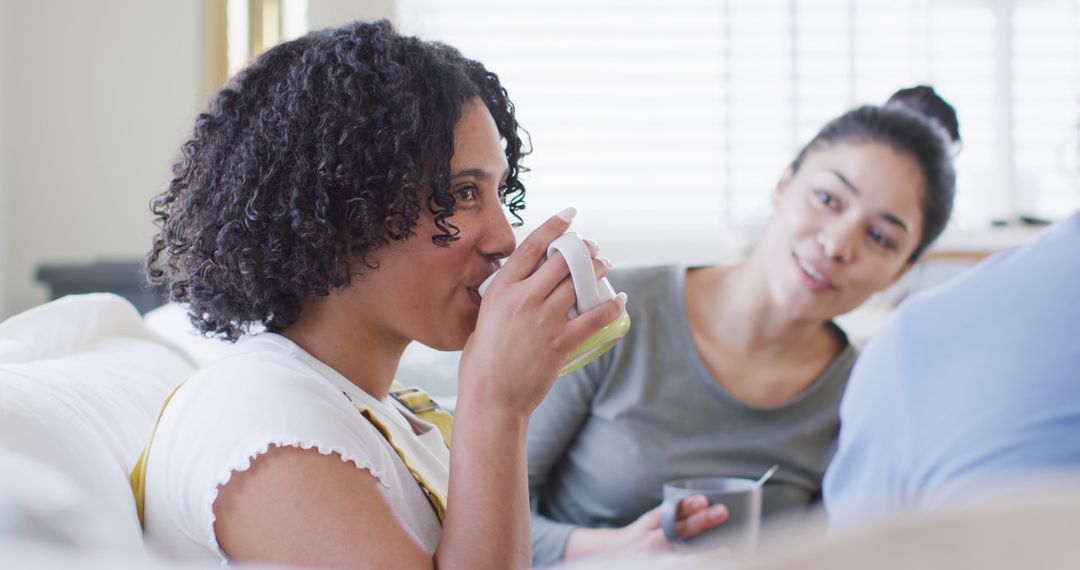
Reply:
x=125, y=278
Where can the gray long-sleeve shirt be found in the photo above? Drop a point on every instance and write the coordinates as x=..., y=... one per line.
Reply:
x=608, y=436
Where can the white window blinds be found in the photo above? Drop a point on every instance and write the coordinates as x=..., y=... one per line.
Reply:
x=668, y=122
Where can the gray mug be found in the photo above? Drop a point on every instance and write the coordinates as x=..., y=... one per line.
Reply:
x=742, y=497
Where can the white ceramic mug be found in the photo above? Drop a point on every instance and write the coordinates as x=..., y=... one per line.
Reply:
x=590, y=292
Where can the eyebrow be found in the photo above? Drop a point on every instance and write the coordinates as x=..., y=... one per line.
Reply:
x=884, y=215
x=476, y=173
x=846, y=182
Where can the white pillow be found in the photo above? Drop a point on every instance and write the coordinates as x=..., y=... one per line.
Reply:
x=42, y=504
x=81, y=382
x=432, y=370
x=171, y=321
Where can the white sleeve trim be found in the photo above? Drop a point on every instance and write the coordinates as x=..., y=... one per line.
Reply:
x=245, y=464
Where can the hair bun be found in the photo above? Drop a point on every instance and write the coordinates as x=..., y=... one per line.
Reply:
x=925, y=101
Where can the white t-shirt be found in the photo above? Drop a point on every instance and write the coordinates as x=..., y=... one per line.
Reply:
x=271, y=392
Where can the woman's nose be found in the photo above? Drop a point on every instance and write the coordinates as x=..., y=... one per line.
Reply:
x=837, y=242
x=498, y=240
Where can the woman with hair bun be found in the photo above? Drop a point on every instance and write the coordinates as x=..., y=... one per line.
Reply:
x=729, y=370
x=923, y=99
x=348, y=192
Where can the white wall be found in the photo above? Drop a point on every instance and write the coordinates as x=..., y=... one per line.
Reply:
x=95, y=99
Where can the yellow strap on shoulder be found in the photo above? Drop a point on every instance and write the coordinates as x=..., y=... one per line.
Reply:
x=437, y=501
x=415, y=399
x=420, y=403
x=138, y=473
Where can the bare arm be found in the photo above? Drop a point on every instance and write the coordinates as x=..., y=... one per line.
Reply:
x=300, y=507
x=501, y=381
x=487, y=524
x=297, y=506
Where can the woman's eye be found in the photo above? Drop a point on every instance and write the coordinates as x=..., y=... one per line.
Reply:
x=825, y=198
x=466, y=193
x=882, y=240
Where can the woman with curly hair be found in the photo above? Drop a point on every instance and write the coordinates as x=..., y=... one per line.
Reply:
x=345, y=192
x=732, y=369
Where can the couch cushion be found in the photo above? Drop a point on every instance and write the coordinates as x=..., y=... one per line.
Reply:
x=81, y=383
x=172, y=322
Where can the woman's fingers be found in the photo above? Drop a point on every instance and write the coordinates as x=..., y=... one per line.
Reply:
x=586, y=324
x=691, y=506
x=694, y=516
x=701, y=521
x=563, y=295
x=533, y=248
x=550, y=274
x=645, y=533
x=550, y=279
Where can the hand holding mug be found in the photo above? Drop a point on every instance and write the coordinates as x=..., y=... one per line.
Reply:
x=590, y=289
x=523, y=336
x=742, y=499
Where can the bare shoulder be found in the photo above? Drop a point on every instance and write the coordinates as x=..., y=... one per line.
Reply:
x=299, y=506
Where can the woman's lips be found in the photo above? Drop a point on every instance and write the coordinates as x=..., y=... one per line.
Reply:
x=474, y=294
x=812, y=278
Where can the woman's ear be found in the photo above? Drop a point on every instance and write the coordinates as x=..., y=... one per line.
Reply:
x=782, y=184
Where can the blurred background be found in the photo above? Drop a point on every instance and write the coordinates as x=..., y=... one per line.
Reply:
x=665, y=122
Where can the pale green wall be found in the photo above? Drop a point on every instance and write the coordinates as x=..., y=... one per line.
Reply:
x=4, y=24
x=96, y=99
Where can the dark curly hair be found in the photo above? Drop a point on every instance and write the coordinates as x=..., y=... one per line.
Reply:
x=915, y=121
x=321, y=151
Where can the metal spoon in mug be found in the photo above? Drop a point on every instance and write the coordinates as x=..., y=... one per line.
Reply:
x=765, y=477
